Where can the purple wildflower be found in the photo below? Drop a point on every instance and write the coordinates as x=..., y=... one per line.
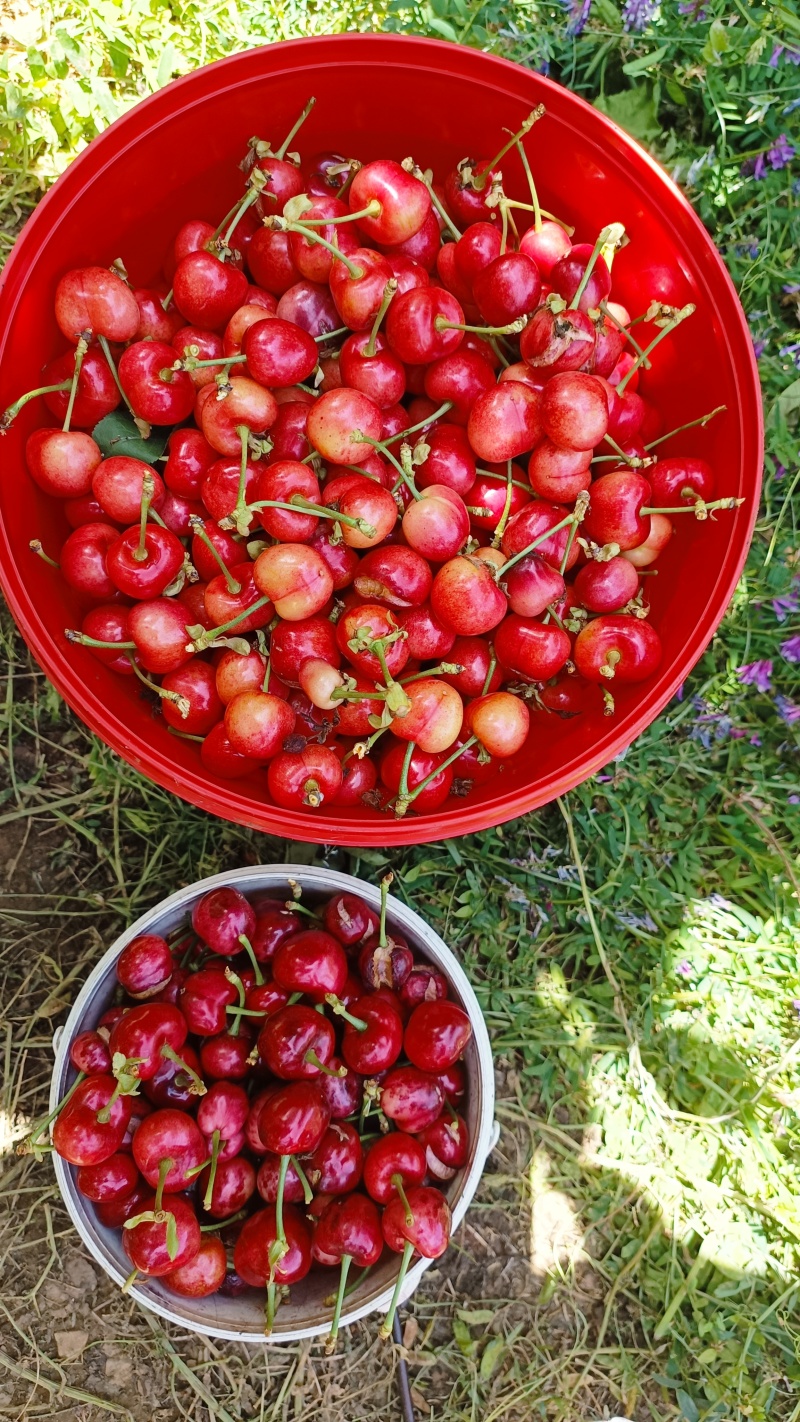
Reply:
x=684, y=969
x=695, y=8
x=578, y=16
x=787, y=710
x=790, y=649
x=783, y=606
x=792, y=55
x=779, y=472
x=758, y=674
x=680, y=691
x=791, y=287
x=793, y=800
x=795, y=1000
x=793, y=351
x=637, y=14
x=781, y=152
x=759, y=348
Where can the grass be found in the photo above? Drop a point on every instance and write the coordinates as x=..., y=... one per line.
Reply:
x=634, y=1247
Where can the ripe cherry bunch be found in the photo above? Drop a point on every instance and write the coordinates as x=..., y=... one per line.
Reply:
x=342, y=547
x=277, y=1090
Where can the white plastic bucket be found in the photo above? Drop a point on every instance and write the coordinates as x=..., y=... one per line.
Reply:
x=304, y=1314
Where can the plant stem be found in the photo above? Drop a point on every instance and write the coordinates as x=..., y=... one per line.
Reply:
x=504, y=517
x=341, y=1011
x=212, y=1175
x=13, y=410
x=175, y=697
x=703, y=420
x=25, y=1147
x=330, y=1343
x=281, y=153
x=531, y=547
x=209, y=636
x=611, y=235
x=198, y=529
x=402, y=789
x=386, y=1326
x=537, y=211
x=479, y=180
x=675, y=320
x=388, y=293
x=402, y=805
x=422, y=424
x=250, y=951
x=80, y=352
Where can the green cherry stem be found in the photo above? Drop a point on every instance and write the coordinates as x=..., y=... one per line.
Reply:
x=531, y=547
x=250, y=951
x=13, y=410
x=28, y=1145
x=609, y=238
x=537, y=211
x=284, y=148
x=702, y=420
x=80, y=352
x=386, y=883
x=426, y=178
x=667, y=328
x=308, y=1193
x=422, y=424
x=37, y=547
x=386, y=1326
x=198, y=529
x=211, y=634
x=141, y=425
x=505, y=515
x=180, y=702
x=148, y=493
x=283, y=224
x=212, y=1175
x=341, y=1011
x=403, y=795
x=389, y=292
x=198, y=1086
x=330, y=1342
x=626, y=333
x=478, y=181
x=403, y=804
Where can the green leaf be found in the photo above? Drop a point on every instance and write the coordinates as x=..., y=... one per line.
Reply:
x=492, y=1354
x=474, y=1315
x=117, y=434
x=442, y=28
x=718, y=43
x=688, y=1408
x=646, y=61
x=466, y=1343
x=167, y=63
x=784, y=407
x=676, y=92
x=634, y=110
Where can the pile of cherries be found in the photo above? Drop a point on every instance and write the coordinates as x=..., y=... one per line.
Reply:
x=341, y=550
x=271, y=1095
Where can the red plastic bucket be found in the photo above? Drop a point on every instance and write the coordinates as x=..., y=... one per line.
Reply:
x=176, y=154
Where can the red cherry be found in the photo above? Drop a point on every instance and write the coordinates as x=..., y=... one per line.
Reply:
x=294, y=1119
x=207, y=291
x=158, y=628
x=83, y=560
x=507, y=288
x=279, y=353
x=62, y=464
x=574, y=410
x=201, y=1276
x=546, y=244
x=222, y=918
x=205, y=345
x=293, y=643
x=605, y=587
x=681, y=480
x=613, y=515
x=505, y=421
x=97, y=393
x=312, y=962
x=532, y=650
x=403, y=202
x=420, y=766
x=270, y=261
x=245, y=403
x=555, y=341
x=168, y=1138
x=148, y=1244
x=89, y=1053
x=619, y=648
x=233, y=1185
x=145, y=965
x=559, y=474
x=269, y=1176
x=567, y=274
x=296, y=1043
x=446, y=1145
x=436, y=1035
x=395, y=1155
x=411, y=1098
x=427, y=638
x=466, y=598
x=532, y=586
x=253, y=1254
x=530, y=524
x=96, y=300
x=310, y=307
x=350, y=919
x=334, y=1168
x=156, y=392
x=376, y=1042
x=149, y=575
x=78, y=1135
x=110, y=1181
x=501, y=722
x=306, y=778
x=437, y=523
x=362, y=625
x=473, y=655
x=416, y=326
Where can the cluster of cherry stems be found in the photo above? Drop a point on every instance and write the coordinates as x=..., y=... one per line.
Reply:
x=363, y=570
x=315, y=1075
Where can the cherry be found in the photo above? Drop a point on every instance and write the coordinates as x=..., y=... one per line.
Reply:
x=245, y=405
x=530, y=649
x=62, y=463
x=80, y=1134
x=155, y=392
x=385, y=960
x=83, y=510
x=96, y=300
x=207, y=291
x=270, y=260
x=373, y=1034
x=304, y=778
x=500, y=721
x=446, y=1145
x=258, y=723
x=343, y=1093
x=474, y=656
x=534, y=522
x=172, y=1085
x=278, y=483
x=218, y=756
x=194, y=345
x=421, y=1222
x=96, y=395
x=498, y=499
x=436, y=1035
x=395, y=1158
x=546, y=243
x=454, y=1083
x=334, y=1168
x=367, y=635
x=227, y=1056
x=350, y=919
x=422, y=325
x=614, y=512
x=292, y=643
x=657, y=539
x=507, y=288
x=419, y=768
x=294, y=1119
x=108, y=624
x=478, y=246
x=574, y=410
x=557, y=340
x=532, y=586
x=434, y=718
x=426, y=636
x=505, y=421
x=459, y=378
x=567, y=274
x=367, y=364
x=145, y=965
x=89, y=1053
x=204, y=998
x=156, y=323
x=118, y=485
x=167, y=1147
x=268, y=1179
x=269, y=1252
x=274, y=923
x=296, y=1043
x=466, y=598
x=559, y=474
x=279, y=353
x=681, y=480
x=605, y=587
x=233, y=1184
x=223, y=919
x=310, y=307
x=394, y=574
x=312, y=962
x=83, y=560
x=336, y=418
x=157, y=1241
x=437, y=523
x=148, y=1034
x=158, y=628
x=201, y=1276
x=620, y=648
x=348, y=1230
x=109, y=1181
x=242, y=611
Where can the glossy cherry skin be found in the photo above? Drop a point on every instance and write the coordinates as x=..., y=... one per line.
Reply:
x=83, y=560
x=507, y=288
x=201, y=1276
x=343, y=1094
x=63, y=465
x=157, y=393
x=404, y=201
x=221, y=917
x=311, y=307
x=501, y=722
x=533, y=521
x=97, y=393
x=145, y=965
x=96, y=300
x=234, y=1184
x=437, y=524
x=411, y=325
x=274, y=923
x=567, y=274
x=78, y=1136
x=270, y=261
x=197, y=684
x=466, y=598
x=473, y=654
x=606, y=587
x=461, y=378
x=349, y=1227
x=335, y=1166
x=156, y=323
x=144, y=1032
x=236, y=673
x=546, y=245
x=89, y=1053
x=613, y=515
x=350, y=919
x=659, y=536
x=294, y=1119
x=109, y=624
x=208, y=291
x=436, y=1035
x=474, y=251
x=294, y=1041
x=681, y=480
x=427, y=637
x=393, y=1155
x=109, y=1181
x=146, y=1244
x=158, y=628
x=256, y=1238
x=336, y=417
x=222, y=605
x=397, y=575
x=505, y=421
x=245, y=403
x=411, y=1098
x=574, y=410
x=203, y=1000
x=530, y=649
x=378, y=374
x=617, y=648
x=374, y=1048
x=420, y=767
x=434, y=718
x=279, y=353
x=218, y=756
x=555, y=341
x=454, y=1083
x=312, y=962
x=257, y=724
x=169, y=1134
x=224, y=1108
x=385, y=965
x=449, y=462
x=267, y=1181
x=423, y=984
x=559, y=474
x=491, y=493
x=376, y=622
x=292, y=643
x=226, y=1057
x=532, y=586
x=307, y=778
x=420, y=250
x=150, y=576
